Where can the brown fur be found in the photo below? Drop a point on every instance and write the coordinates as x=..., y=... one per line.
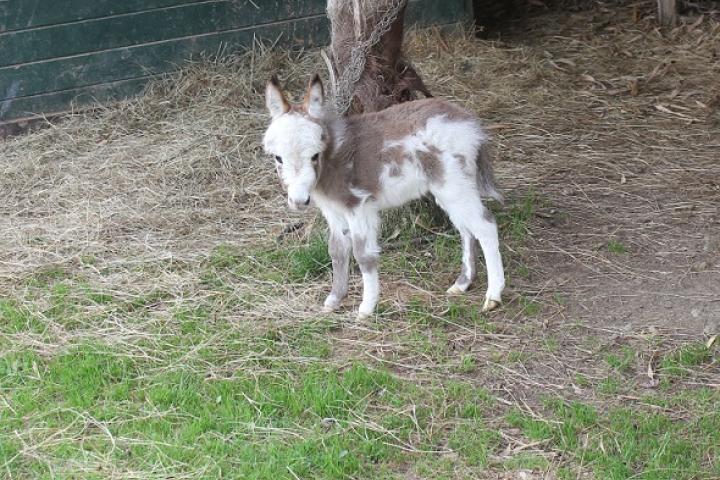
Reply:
x=359, y=161
x=431, y=163
x=368, y=261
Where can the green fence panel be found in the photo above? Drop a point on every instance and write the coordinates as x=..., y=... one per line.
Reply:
x=55, y=53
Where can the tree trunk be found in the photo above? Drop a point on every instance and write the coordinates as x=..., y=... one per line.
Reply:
x=667, y=12
x=388, y=78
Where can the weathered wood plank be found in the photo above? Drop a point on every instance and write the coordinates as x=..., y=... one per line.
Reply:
x=436, y=12
x=165, y=57
x=144, y=27
x=141, y=60
x=51, y=103
x=50, y=85
x=25, y=14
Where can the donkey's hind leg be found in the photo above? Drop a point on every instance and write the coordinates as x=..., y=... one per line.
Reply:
x=469, y=257
x=484, y=227
x=467, y=213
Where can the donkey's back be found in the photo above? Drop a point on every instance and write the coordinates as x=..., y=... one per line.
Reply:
x=422, y=146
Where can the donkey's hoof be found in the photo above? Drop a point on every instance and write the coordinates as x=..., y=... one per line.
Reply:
x=361, y=316
x=490, y=305
x=331, y=304
x=455, y=290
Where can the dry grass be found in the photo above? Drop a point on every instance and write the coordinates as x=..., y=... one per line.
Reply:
x=606, y=127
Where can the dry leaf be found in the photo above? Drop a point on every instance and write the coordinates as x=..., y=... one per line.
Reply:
x=664, y=109
x=565, y=61
x=395, y=234
x=634, y=88
x=657, y=71
x=591, y=79
x=696, y=24
x=711, y=341
x=650, y=372
x=555, y=65
x=497, y=126
x=679, y=107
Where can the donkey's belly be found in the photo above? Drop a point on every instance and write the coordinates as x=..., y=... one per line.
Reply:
x=400, y=186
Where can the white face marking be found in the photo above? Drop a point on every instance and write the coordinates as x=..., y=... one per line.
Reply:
x=296, y=141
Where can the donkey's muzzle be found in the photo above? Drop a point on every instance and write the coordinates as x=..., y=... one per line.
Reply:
x=296, y=205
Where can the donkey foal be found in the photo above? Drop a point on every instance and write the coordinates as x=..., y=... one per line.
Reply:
x=354, y=167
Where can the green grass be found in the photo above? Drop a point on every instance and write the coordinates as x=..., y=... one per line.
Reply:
x=609, y=386
x=551, y=345
x=166, y=383
x=614, y=246
x=474, y=442
x=679, y=363
x=200, y=395
x=623, y=361
x=256, y=426
x=16, y=318
x=527, y=462
x=626, y=442
x=514, y=221
x=529, y=307
x=277, y=263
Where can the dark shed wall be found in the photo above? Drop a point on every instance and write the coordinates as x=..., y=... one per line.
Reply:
x=55, y=52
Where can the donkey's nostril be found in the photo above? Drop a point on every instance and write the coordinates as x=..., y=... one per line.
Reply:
x=307, y=202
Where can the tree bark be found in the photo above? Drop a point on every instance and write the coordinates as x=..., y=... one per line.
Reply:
x=667, y=12
x=388, y=77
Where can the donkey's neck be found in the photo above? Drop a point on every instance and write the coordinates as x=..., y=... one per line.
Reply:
x=338, y=172
x=337, y=127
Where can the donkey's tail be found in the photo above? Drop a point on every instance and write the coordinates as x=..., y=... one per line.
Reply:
x=486, y=175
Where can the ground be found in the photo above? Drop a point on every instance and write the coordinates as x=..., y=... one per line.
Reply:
x=160, y=315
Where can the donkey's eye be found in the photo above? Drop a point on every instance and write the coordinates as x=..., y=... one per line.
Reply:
x=278, y=158
x=315, y=158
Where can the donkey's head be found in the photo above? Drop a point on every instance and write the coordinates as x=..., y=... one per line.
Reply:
x=297, y=139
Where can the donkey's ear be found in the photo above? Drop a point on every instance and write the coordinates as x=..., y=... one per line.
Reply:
x=315, y=97
x=275, y=99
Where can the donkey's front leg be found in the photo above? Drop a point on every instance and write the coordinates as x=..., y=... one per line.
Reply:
x=339, y=248
x=364, y=231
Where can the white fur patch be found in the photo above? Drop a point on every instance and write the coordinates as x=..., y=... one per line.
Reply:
x=292, y=135
x=453, y=139
x=295, y=139
x=396, y=190
x=363, y=195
